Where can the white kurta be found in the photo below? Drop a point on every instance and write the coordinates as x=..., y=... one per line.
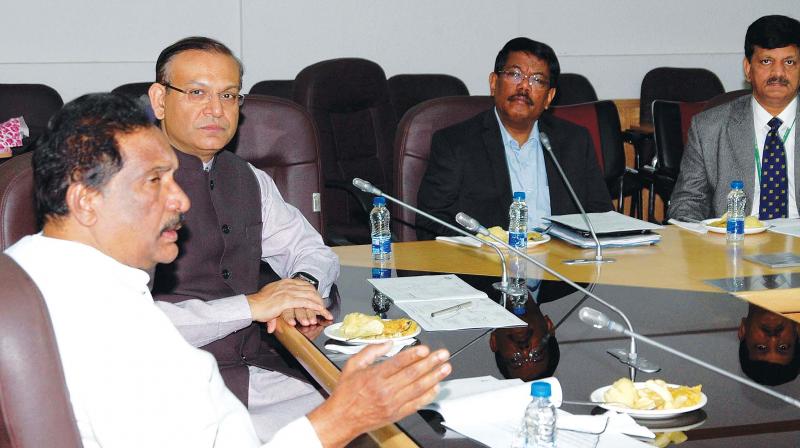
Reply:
x=133, y=380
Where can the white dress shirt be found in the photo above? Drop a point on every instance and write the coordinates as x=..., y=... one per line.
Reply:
x=760, y=119
x=132, y=379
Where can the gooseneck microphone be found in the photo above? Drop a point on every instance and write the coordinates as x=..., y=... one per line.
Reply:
x=599, y=320
x=503, y=286
x=629, y=358
x=598, y=257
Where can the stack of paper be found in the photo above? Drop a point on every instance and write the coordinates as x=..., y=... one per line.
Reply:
x=613, y=230
x=424, y=297
x=490, y=411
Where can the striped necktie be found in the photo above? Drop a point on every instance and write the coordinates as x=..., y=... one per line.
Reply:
x=774, y=182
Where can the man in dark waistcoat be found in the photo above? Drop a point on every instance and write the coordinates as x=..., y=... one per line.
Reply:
x=237, y=219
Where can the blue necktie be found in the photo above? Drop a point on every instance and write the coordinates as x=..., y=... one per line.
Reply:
x=774, y=183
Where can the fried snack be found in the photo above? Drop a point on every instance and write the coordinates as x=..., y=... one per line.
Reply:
x=363, y=326
x=360, y=325
x=503, y=234
x=750, y=222
x=653, y=394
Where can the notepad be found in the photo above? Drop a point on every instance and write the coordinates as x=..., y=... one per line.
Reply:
x=778, y=260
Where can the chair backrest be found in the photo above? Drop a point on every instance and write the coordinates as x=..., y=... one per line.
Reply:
x=277, y=136
x=573, y=89
x=282, y=88
x=726, y=97
x=133, y=89
x=671, y=120
x=349, y=103
x=35, y=102
x=601, y=119
x=407, y=91
x=34, y=403
x=413, y=146
x=17, y=206
x=676, y=84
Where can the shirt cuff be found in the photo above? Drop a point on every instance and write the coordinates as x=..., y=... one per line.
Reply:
x=299, y=432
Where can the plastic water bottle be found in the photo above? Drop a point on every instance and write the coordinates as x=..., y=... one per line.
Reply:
x=380, y=303
x=518, y=237
x=540, y=418
x=381, y=232
x=736, y=204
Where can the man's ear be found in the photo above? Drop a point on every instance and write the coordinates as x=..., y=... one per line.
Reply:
x=742, y=329
x=156, y=93
x=492, y=83
x=549, y=323
x=746, y=68
x=82, y=203
x=493, y=342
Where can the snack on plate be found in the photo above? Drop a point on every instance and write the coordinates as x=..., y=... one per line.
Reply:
x=750, y=222
x=655, y=394
x=503, y=234
x=363, y=326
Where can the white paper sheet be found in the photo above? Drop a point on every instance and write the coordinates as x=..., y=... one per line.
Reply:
x=608, y=222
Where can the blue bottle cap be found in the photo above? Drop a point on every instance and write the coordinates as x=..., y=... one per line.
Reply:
x=519, y=195
x=519, y=310
x=379, y=200
x=737, y=184
x=540, y=389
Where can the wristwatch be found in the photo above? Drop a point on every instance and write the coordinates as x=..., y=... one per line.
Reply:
x=307, y=277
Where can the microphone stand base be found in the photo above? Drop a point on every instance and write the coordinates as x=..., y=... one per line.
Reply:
x=589, y=260
x=637, y=363
x=511, y=290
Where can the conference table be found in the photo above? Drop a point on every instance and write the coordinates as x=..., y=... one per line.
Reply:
x=689, y=292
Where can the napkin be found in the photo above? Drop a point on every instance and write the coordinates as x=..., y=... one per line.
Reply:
x=11, y=133
x=595, y=424
x=697, y=227
x=353, y=349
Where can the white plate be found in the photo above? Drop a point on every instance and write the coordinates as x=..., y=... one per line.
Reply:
x=332, y=331
x=467, y=241
x=747, y=231
x=598, y=397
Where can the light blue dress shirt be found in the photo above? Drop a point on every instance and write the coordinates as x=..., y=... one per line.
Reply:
x=527, y=172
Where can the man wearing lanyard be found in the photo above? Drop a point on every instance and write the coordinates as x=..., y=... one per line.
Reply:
x=752, y=138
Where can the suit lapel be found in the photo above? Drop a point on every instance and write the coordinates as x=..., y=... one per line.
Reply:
x=796, y=160
x=741, y=137
x=558, y=190
x=495, y=150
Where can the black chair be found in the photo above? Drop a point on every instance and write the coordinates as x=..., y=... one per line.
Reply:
x=406, y=91
x=282, y=88
x=671, y=121
x=573, y=89
x=134, y=89
x=348, y=100
x=36, y=103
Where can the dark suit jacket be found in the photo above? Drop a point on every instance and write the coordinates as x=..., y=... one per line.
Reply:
x=468, y=172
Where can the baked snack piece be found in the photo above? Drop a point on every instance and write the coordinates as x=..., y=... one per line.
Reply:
x=363, y=326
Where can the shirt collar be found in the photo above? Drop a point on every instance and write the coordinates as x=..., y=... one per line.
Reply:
x=508, y=140
x=208, y=165
x=761, y=117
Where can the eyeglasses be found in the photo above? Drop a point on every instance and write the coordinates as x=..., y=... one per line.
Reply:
x=532, y=356
x=201, y=96
x=536, y=81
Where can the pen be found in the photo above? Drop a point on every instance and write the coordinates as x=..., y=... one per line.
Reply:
x=452, y=309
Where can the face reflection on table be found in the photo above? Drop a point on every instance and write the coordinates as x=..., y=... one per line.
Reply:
x=530, y=352
x=768, y=347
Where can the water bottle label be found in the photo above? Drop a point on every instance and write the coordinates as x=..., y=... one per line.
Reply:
x=735, y=226
x=517, y=239
x=381, y=273
x=381, y=245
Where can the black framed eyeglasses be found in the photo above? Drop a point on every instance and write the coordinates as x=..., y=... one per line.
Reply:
x=536, y=81
x=532, y=355
x=201, y=96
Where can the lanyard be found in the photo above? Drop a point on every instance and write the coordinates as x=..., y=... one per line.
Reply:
x=755, y=148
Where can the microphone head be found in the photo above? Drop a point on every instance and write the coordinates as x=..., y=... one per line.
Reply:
x=363, y=185
x=469, y=223
x=593, y=317
x=545, y=141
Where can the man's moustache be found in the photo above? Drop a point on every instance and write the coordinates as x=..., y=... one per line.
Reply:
x=175, y=223
x=522, y=96
x=778, y=80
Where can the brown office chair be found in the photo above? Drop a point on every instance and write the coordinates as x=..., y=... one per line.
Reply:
x=17, y=206
x=35, y=102
x=573, y=89
x=277, y=136
x=601, y=119
x=407, y=91
x=671, y=121
x=413, y=147
x=133, y=89
x=349, y=103
x=282, y=88
x=34, y=401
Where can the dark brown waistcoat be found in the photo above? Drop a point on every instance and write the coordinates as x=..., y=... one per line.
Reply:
x=220, y=250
